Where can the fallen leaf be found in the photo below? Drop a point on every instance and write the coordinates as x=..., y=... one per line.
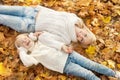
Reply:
x=104, y=63
x=95, y=22
x=2, y=37
x=2, y=50
x=37, y=78
x=35, y=2
x=45, y=75
x=118, y=65
x=111, y=64
x=106, y=19
x=117, y=11
x=4, y=71
x=90, y=50
x=21, y=0
x=118, y=47
x=62, y=77
x=84, y=2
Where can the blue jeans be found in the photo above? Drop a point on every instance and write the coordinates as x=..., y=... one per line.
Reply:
x=19, y=18
x=80, y=66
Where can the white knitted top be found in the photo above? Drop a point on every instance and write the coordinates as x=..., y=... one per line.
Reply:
x=58, y=23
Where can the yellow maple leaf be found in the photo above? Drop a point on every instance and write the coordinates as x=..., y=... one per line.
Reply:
x=45, y=75
x=111, y=64
x=62, y=77
x=106, y=19
x=37, y=78
x=4, y=71
x=118, y=65
x=90, y=50
x=21, y=0
x=104, y=63
x=117, y=11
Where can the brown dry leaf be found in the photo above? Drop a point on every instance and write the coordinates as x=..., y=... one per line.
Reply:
x=2, y=37
x=118, y=48
x=36, y=2
x=53, y=78
x=2, y=50
x=84, y=2
x=95, y=22
x=115, y=1
x=50, y=3
x=112, y=78
x=62, y=77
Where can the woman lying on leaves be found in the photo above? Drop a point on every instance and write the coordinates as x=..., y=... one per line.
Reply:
x=66, y=25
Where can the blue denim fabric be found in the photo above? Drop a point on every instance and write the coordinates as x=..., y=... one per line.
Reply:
x=80, y=66
x=19, y=18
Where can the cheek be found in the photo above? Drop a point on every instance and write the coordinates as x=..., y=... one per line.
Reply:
x=24, y=45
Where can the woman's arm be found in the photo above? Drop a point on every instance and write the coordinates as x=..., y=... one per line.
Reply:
x=52, y=41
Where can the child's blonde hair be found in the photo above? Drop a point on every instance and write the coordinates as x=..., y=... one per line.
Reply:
x=18, y=39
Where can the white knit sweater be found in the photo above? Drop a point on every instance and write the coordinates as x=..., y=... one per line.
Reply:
x=58, y=23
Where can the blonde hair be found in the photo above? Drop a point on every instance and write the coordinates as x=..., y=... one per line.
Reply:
x=18, y=39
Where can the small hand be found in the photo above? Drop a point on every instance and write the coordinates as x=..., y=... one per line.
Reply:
x=67, y=49
x=37, y=33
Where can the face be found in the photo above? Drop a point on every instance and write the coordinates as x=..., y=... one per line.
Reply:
x=25, y=41
x=85, y=36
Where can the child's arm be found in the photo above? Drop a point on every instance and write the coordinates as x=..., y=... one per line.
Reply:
x=34, y=35
x=26, y=59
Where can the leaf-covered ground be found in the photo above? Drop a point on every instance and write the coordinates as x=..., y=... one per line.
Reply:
x=101, y=16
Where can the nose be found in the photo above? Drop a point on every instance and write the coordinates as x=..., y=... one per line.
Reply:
x=26, y=41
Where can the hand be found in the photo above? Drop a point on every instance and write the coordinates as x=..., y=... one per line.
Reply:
x=37, y=33
x=67, y=49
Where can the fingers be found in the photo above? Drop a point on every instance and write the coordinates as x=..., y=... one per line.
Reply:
x=68, y=49
x=37, y=33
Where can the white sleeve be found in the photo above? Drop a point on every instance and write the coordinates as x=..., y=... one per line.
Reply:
x=50, y=40
x=26, y=59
